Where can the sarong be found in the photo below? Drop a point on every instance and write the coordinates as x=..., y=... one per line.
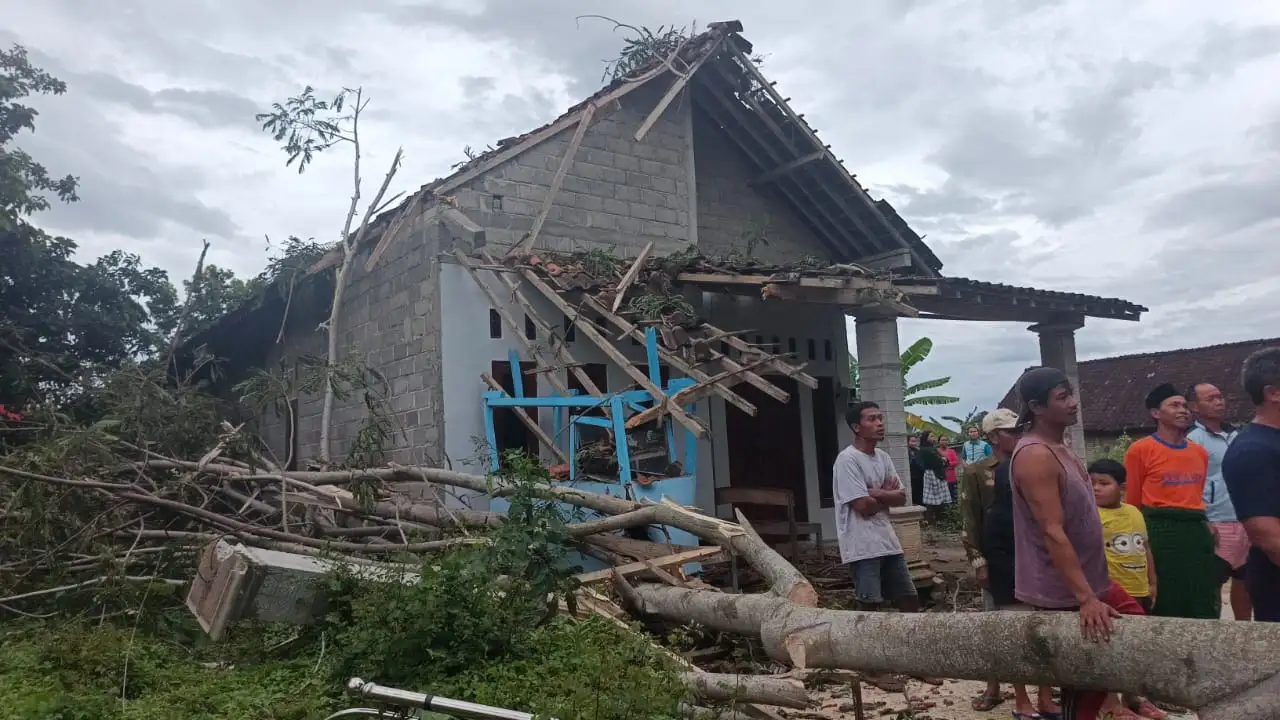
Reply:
x=1186, y=574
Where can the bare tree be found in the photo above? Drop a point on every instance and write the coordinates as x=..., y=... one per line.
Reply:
x=305, y=126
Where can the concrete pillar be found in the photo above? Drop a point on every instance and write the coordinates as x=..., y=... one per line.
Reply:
x=1058, y=349
x=880, y=380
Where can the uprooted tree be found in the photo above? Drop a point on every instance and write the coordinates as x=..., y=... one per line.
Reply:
x=306, y=125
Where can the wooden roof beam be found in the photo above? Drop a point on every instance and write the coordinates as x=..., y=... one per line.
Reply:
x=787, y=167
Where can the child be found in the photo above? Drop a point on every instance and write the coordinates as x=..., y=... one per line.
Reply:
x=1129, y=562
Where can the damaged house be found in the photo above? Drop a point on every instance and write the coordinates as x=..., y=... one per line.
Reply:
x=504, y=278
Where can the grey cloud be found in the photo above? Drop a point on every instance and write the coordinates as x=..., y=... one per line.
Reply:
x=949, y=199
x=1056, y=168
x=121, y=191
x=476, y=86
x=1226, y=48
x=206, y=108
x=1225, y=204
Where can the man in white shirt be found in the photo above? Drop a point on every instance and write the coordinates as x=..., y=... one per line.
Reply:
x=866, y=485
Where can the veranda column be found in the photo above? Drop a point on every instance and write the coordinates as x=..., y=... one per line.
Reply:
x=1058, y=349
x=880, y=381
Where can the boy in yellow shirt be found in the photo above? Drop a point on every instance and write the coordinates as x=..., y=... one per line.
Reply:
x=1124, y=534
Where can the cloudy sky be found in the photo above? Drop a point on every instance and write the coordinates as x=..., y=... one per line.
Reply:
x=1124, y=149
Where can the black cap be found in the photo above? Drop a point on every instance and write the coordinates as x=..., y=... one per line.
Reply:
x=1035, y=385
x=1162, y=392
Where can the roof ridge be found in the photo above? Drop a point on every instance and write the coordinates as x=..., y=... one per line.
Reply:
x=1158, y=353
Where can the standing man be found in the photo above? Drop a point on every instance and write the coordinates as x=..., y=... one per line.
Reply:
x=1059, y=561
x=1212, y=433
x=866, y=486
x=1252, y=471
x=1165, y=480
x=975, y=449
x=915, y=468
x=986, y=509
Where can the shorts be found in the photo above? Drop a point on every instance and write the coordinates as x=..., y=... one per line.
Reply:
x=880, y=579
x=1231, y=546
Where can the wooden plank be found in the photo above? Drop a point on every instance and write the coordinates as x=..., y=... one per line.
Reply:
x=787, y=369
x=587, y=328
x=702, y=553
x=787, y=167
x=630, y=330
x=717, y=279
x=603, y=104
x=693, y=393
x=566, y=162
x=633, y=272
x=529, y=422
x=889, y=260
x=674, y=90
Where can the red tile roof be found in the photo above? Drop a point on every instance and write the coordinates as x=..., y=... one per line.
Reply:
x=1112, y=390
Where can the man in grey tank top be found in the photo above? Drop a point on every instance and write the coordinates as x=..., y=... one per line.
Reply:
x=1059, y=560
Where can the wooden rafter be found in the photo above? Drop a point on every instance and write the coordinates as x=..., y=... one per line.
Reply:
x=584, y=122
x=588, y=330
x=630, y=330
x=787, y=167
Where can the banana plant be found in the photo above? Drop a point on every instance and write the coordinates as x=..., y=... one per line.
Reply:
x=917, y=353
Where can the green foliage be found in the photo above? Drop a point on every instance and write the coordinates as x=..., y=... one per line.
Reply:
x=86, y=670
x=1116, y=450
x=23, y=180
x=479, y=624
x=307, y=125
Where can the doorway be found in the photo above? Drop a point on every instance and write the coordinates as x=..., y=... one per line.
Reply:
x=768, y=450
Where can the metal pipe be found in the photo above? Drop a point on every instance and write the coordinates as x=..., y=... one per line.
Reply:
x=410, y=699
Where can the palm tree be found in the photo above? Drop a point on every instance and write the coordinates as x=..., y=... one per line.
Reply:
x=912, y=393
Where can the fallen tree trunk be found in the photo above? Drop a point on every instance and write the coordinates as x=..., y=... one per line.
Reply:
x=762, y=689
x=784, y=580
x=1221, y=669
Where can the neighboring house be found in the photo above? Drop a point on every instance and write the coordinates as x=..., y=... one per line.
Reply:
x=727, y=168
x=1113, y=390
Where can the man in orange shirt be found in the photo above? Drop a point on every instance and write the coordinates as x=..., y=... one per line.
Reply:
x=1166, y=476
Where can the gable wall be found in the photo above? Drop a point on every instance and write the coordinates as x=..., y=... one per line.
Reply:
x=730, y=212
x=618, y=193
x=390, y=317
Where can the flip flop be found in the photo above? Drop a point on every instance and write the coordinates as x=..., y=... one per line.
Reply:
x=1050, y=715
x=986, y=702
x=1026, y=716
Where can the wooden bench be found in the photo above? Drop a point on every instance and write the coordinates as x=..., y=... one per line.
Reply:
x=772, y=497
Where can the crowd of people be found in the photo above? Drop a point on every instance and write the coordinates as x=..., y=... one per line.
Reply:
x=1193, y=506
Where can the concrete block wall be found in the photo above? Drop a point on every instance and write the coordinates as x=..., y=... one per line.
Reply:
x=391, y=318
x=618, y=193
x=730, y=211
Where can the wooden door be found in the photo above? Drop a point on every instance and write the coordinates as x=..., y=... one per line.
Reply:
x=767, y=450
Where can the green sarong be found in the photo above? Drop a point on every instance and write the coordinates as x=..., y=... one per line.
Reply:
x=1186, y=573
